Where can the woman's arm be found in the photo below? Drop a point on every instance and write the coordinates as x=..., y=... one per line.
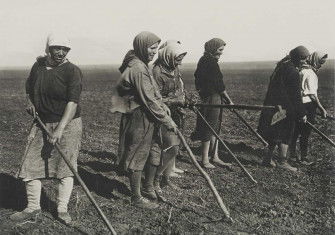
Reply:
x=226, y=97
x=317, y=101
x=70, y=111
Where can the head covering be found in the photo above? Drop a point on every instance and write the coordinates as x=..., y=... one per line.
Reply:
x=316, y=59
x=141, y=44
x=168, y=53
x=169, y=42
x=212, y=45
x=57, y=40
x=299, y=53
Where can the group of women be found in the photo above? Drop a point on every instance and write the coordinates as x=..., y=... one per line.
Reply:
x=151, y=105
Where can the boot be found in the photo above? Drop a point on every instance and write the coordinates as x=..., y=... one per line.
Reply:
x=135, y=186
x=65, y=187
x=148, y=189
x=33, y=188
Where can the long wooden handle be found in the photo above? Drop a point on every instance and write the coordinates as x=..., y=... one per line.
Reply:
x=81, y=182
x=226, y=147
x=235, y=106
x=321, y=134
x=250, y=128
x=206, y=176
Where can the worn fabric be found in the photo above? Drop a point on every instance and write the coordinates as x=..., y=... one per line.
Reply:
x=51, y=89
x=137, y=130
x=284, y=89
x=171, y=87
x=208, y=77
x=304, y=130
x=212, y=45
x=316, y=59
x=136, y=87
x=43, y=160
x=309, y=84
x=33, y=191
x=212, y=116
x=168, y=54
x=65, y=187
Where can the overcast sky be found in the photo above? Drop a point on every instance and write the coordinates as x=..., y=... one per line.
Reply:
x=101, y=31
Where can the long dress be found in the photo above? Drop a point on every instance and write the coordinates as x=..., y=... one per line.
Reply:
x=284, y=90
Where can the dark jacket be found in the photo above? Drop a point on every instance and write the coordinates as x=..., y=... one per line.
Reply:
x=208, y=76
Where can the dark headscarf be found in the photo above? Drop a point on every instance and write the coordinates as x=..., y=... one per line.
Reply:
x=212, y=45
x=141, y=44
x=299, y=53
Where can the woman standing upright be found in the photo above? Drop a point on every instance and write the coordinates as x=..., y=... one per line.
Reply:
x=310, y=100
x=209, y=83
x=139, y=101
x=53, y=88
x=166, y=74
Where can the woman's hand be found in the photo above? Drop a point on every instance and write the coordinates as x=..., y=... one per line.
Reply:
x=172, y=126
x=324, y=113
x=31, y=108
x=56, y=135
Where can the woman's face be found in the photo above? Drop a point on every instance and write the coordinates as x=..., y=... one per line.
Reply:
x=178, y=60
x=58, y=53
x=152, y=50
x=218, y=52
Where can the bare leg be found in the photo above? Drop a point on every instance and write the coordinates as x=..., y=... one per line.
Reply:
x=215, y=151
x=205, y=159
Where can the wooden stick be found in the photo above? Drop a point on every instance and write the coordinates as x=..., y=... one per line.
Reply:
x=321, y=134
x=81, y=182
x=250, y=128
x=226, y=147
x=235, y=106
x=206, y=176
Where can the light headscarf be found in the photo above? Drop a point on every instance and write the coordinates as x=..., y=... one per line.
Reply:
x=168, y=53
x=316, y=59
x=141, y=44
x=212, y=45
x=56, y=40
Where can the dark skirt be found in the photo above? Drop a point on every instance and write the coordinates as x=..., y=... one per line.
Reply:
x=280, y=132
x=212, y=116
x=135, y=139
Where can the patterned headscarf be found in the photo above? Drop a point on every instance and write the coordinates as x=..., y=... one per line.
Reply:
x=141, y=44
x=316, y=59
x=212, y=45
x=168, y=54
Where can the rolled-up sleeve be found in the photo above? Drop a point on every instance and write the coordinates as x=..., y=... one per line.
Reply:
x=74, y=85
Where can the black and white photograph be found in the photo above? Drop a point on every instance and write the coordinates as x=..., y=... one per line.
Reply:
x=167, y=117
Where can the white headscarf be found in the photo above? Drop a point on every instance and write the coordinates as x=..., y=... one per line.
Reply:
x=169, y=52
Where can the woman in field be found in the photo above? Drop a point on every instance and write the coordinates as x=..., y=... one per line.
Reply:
x=142, y=113
x=166, y=74
x=53, y=88
x=310, y=100
x=284, y=90
x=209, y=84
